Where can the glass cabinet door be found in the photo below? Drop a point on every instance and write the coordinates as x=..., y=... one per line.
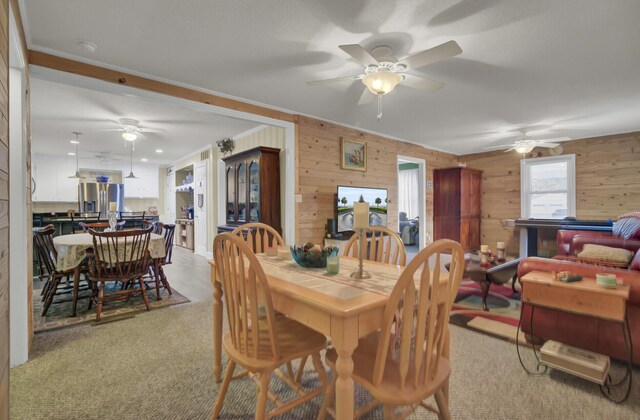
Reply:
x=231, y=194
x=242, y=192
x=254, y=191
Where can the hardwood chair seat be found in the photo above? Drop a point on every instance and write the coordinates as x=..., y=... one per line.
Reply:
x=295, y=340
x=389, y=391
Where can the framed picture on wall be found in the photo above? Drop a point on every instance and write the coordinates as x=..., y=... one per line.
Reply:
x=353, y=155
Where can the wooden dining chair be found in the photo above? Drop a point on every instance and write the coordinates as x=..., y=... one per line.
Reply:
x=134, y=219
x=86, y=217
x=259, y=236
x=168, y=229
x=260, y=344
x=47, y=256
x=100, y=226
x=418, y=367
x=121, y=256
x=384, y=246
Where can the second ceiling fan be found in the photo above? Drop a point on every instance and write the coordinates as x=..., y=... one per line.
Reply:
x=383, y=72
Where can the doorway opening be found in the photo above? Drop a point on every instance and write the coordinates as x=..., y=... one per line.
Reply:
x=412, y=204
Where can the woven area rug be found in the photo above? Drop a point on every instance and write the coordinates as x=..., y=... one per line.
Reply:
x=59, y=315
x=504, y=310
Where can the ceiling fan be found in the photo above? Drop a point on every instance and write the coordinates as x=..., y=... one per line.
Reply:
x=131, y=129
x=383, y=72
x=526, y=144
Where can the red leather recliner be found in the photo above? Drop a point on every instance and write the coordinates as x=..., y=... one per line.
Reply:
x=600, y=336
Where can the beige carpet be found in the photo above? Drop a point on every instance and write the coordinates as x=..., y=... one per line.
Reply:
x=157, y=365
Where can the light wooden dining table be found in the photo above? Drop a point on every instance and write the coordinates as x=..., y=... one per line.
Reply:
x=337, y=306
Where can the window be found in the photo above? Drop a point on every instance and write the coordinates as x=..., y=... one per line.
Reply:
x=548, y=187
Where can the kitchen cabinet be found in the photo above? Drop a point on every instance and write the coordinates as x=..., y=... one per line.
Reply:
x=145, y=185
x=51, y=175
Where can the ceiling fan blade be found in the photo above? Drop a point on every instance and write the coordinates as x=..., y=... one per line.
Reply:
x=152, y=130
x=497, y=147
x=510, y=149
x=554, y=139
x=421, y=83
x=545, y=144
x=367, y=97
x=432, y=55
x=361, y=55
x=337, y=79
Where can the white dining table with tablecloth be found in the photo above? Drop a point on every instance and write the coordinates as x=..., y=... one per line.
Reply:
x=72, y=250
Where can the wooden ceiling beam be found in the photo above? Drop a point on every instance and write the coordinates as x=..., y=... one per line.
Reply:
x=37, y=58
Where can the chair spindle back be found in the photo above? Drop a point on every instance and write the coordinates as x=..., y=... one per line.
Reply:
x=169, y=231
x=43, y=240
x=245, y=290
x=259, y=237
x=384, y=246
x=121, y=255
x=423, y=325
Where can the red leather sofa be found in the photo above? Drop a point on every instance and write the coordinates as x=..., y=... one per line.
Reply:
x=570, y=242
x=601, y=336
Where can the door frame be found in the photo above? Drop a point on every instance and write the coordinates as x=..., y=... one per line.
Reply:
x=422, y=196
x=198, y=251
x=19, y=308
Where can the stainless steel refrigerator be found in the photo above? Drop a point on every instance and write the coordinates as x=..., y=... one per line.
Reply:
x=98, y=196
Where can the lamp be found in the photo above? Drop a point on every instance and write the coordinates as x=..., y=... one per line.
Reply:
x=129, y=135
x=381, y=82
x=131, y=175
x=76, y=142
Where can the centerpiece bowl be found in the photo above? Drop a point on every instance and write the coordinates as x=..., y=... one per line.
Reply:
x=312, y=256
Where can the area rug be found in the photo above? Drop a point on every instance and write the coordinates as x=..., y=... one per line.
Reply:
x=59, y=315
x=504, y=310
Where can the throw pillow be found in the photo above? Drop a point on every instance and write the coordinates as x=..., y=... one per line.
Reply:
x=635, y=263
x=627, y=226
x=605, y=253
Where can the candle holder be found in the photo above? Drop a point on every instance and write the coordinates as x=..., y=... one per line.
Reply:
x=360, y=273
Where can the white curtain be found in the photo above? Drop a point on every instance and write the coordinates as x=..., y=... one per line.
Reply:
x=408, y=192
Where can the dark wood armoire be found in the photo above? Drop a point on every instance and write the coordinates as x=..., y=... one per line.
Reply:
x=456, y=206
x=252, y=188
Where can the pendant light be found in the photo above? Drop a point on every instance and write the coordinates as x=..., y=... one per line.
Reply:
x=131, y=175
x=77, y=143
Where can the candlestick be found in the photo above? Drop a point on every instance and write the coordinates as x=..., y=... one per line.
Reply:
x=502, y=254
x=333, y=264
x=362, y=238
x=484, y=248
x=360, y=215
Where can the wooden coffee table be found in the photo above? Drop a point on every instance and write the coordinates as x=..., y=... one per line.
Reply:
x=498, y=272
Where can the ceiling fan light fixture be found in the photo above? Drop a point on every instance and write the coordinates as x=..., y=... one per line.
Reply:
x=129, y=135
x=524, y=148
x=381, y=82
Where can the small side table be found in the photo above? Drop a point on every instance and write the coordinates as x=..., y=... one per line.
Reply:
x=585, y=297
x=498, y=272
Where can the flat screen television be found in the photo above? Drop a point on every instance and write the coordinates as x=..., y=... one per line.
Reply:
x=376, y=197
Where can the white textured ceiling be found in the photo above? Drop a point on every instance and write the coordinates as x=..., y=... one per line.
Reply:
x=58, y=109
x=569, y=66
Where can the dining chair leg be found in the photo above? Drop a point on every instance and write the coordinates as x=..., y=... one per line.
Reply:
x=328, y=396
x=144, y=293
x=165, y=282
x=389, y=412
x=322, y=373
x=223, y=390
x=51, y=293
x=156, y=275
x=76, y=286
x=99, y=303
x=262, y=397
x=443, y=405
x=300, y=371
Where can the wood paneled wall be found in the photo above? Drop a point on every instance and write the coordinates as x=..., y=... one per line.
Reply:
x=607, y=183
x=4, y=209
x=319, y=173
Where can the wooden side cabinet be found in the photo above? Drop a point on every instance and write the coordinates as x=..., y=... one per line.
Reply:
x=184, y=234
x=456, y=206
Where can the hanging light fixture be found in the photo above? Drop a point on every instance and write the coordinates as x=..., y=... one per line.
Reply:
x=129, y=135
x=131, y=175
x=524, y=146
x=380, y=82
x=77, y=143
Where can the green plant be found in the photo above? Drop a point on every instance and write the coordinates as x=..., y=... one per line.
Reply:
x=226, y=145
